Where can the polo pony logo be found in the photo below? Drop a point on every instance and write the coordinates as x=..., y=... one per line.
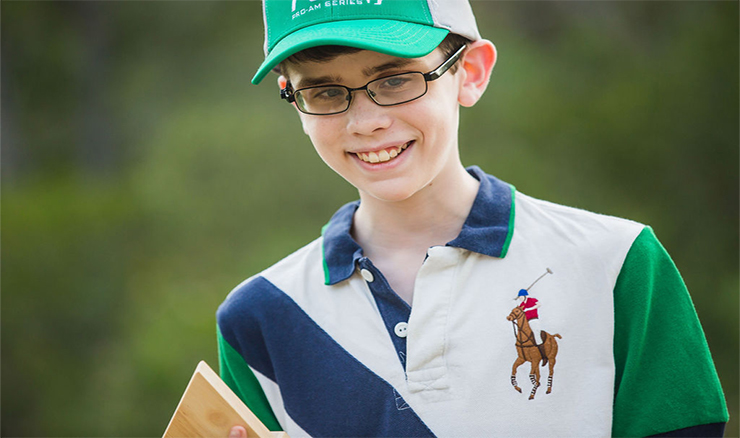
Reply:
x=532, y=344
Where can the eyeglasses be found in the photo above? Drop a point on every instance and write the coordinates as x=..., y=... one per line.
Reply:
x=391, y=90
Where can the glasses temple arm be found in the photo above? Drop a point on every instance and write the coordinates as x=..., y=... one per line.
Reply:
x=439, y=71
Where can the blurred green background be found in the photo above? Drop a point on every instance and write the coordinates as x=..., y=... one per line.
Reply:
x=143, y=177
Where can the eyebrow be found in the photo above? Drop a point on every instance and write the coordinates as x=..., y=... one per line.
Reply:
x=370, y=71
x=321, y=80
x=396, y=63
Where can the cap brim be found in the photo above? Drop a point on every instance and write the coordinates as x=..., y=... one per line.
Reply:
x=396, y=38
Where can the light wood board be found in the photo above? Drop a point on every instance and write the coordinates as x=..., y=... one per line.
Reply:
x=209, y=408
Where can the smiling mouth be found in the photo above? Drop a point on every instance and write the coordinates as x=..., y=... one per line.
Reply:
x=384, y=155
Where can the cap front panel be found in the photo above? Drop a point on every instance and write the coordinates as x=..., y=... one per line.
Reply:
x=283, y=17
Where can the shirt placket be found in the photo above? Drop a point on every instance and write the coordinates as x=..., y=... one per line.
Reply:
x=421, y=346
x=436, y=284
x=394, y=311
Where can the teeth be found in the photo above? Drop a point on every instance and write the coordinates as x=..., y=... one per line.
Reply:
x=382, y=156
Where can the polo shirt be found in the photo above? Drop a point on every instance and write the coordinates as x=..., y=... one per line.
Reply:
x=319, y=344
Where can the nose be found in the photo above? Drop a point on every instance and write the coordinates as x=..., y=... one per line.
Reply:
x=366, y=117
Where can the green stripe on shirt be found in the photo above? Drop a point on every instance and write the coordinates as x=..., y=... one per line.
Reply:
x=327, y=278
x=512, y=214
x=235, y=372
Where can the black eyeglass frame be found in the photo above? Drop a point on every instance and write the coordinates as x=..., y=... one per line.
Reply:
x=288, y=93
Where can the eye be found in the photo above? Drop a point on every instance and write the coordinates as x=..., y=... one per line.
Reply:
x=328, y=93
x=395, y=82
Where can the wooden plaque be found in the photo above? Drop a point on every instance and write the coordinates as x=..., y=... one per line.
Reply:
x=209, y=408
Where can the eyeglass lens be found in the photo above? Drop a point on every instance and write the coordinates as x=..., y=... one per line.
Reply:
x=390, y=90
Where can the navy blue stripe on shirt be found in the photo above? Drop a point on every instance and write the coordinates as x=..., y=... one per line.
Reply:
x=325, y=389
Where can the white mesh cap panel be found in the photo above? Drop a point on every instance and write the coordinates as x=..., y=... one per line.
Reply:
x=455, y=15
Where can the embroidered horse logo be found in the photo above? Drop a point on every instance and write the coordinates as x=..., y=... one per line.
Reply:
x=527, y=350
x=532, y=344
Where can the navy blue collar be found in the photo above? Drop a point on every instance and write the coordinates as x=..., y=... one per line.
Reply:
x=487, y=230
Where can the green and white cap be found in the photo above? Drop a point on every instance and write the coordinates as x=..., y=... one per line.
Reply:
x=403, y=28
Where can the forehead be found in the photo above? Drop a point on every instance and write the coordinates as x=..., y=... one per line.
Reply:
x=349, y=68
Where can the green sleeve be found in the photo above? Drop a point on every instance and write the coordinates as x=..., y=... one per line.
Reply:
x=239, y=377
x=665, y=377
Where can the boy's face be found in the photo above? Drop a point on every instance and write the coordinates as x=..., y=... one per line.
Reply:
x=414, y=144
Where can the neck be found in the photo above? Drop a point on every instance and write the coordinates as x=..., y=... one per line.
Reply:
x=433, y=216
x=397, y=235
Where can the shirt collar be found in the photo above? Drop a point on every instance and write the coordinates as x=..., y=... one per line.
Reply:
x=487, y=230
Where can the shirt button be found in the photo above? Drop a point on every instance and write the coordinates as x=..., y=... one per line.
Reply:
x=367, y=275
x=401, y=329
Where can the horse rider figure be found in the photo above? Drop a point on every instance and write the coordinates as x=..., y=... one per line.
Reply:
x=530, y=306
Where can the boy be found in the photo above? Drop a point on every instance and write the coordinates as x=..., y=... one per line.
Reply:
x=394, y=322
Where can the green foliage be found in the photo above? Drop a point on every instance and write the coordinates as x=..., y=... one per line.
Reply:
x=144, y=177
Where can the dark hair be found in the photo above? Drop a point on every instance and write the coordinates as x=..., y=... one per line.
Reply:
x=449, y=45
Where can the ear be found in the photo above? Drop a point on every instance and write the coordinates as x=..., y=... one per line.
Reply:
x=477, y=65
x=282, y=81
